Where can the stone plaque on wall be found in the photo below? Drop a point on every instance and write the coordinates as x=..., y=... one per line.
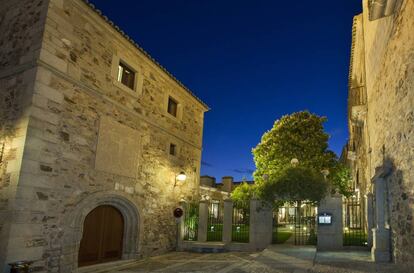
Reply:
x=118, y=148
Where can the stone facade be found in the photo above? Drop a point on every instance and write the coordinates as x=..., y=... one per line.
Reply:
x=209, y=189
x=73, y=137
x=381, y=116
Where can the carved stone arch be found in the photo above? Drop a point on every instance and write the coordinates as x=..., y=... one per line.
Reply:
x=73, y=226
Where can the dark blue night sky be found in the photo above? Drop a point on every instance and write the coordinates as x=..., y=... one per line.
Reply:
x=251, y=62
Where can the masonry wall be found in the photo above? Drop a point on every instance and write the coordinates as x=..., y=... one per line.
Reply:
x=89, y=136
x=21, y=29
x=389, y=53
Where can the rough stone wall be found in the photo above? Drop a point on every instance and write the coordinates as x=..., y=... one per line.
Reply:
x=15, y=94
x=21, y=29
x=357, y=148
x=389, y=53
x=74, y=96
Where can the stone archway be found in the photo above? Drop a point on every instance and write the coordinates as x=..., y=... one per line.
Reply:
x=73, y=226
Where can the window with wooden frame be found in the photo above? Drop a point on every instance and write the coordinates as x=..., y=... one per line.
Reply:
x=126, y=75
x=172, y=107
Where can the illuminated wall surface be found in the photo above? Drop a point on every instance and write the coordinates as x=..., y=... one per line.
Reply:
x=75, y=135
x=381, y=103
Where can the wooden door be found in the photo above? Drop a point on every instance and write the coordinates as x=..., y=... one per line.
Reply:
x=102, y=236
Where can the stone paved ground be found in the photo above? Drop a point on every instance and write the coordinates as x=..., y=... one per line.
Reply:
x=275, y=259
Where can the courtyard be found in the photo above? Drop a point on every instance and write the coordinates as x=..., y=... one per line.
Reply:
x=276, y=258
x=206, y=136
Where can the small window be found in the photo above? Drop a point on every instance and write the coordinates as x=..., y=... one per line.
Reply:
x=126, y=75
x=2, y=145
x=172, y=107
x=173, y=149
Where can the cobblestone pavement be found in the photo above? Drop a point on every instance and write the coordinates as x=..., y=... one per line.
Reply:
x=275, y=259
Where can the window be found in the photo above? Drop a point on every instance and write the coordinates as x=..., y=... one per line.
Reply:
x=126, y=75
x=172, y=107
x=173, y=149
x=2, y=145
x=214, y=209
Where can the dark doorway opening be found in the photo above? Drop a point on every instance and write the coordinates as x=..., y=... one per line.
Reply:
x=102, y=236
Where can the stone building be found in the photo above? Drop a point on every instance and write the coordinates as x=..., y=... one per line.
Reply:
x=93, y=131
x=381, y=124
x=218, y=191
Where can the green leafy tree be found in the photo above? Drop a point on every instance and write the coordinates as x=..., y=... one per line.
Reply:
x=341, y=179
x=243, y=193
x=301, y=136
x=294, y=184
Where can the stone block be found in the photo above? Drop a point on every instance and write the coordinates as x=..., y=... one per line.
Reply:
x=53, y=60
x=44, y=115
x=48, y=92
x=43, y=76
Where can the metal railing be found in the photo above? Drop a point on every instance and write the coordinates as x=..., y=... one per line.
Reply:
x=295, y=224
x=191, y=222
x=240, y=222
x=215, y=221
x=355, y=231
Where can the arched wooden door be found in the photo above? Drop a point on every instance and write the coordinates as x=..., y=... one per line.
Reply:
x=102, y=236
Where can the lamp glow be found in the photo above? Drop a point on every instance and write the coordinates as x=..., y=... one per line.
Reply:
x=181, y=177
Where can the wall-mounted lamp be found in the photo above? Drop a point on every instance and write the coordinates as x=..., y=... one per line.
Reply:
x=180, y=177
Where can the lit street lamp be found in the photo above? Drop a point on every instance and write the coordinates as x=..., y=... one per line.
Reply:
x=294, y=162
x=180, y=177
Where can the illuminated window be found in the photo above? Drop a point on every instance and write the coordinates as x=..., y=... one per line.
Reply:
x=126, y=75
x=214, y=208
x=173, y=149
x=172, y=107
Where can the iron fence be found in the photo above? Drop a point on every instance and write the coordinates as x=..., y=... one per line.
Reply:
x=295, y=224
x=191, y=222
x=215, y=221
x=355, y=230
x=241, y=222
x=283, y=222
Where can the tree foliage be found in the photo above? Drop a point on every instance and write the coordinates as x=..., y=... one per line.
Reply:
x=341, y=179
x=300, y=135
x=294, y=184
x=243, y=193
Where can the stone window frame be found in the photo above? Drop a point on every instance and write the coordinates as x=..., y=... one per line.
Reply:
x=118, y=58
x=180, y=106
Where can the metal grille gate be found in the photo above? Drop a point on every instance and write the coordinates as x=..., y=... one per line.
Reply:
x=215, y=221
x=241, y=221
x=355, y=230
x=191, y=222
x=295, y=224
